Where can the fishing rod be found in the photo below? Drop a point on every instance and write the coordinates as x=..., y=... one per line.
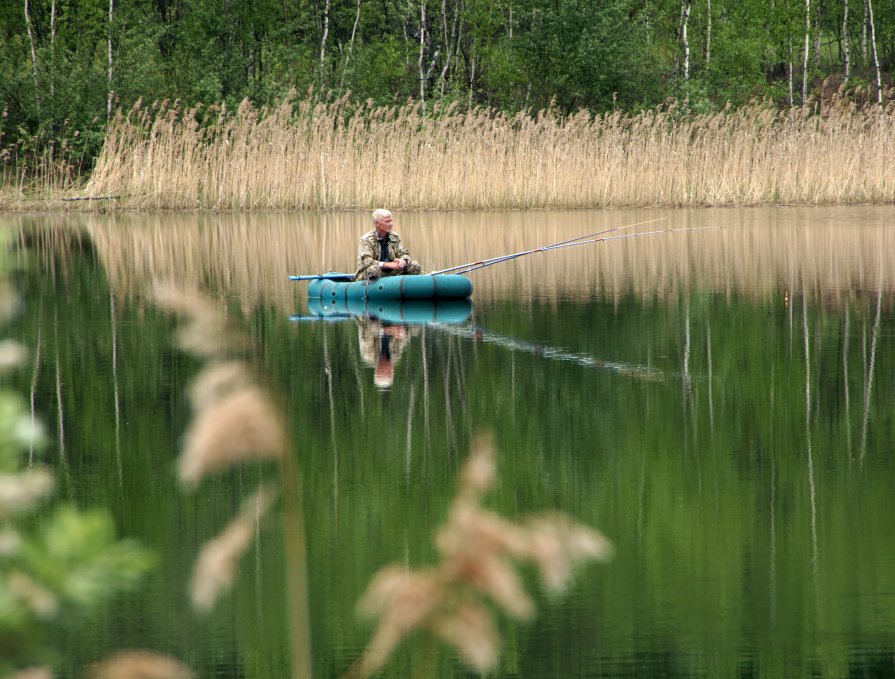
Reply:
x=544, y=248
x=568, y=244
x=332, y=276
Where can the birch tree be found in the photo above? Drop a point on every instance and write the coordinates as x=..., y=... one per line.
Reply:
x=422, y=53
x=864, y=35
x=685, y=43
x=708, y=33
x=110, y=94
x=846, y=47
x=805, y=52
x=33, y=55
x=53, y=50
x=879, y=82
x=323, y=38
x=350, y=47
x=789, y=75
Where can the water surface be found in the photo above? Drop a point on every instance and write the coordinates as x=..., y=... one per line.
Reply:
x=719, y=403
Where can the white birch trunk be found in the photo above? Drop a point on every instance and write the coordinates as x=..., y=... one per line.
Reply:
x=846, y=46
x=805, y=52
x=864, y=36
x=472, y=80
x=879, y=82
x=406, y=37
x=53, y=50
x=708, y=33
x=323, y=39
x=685, y=43
x=110, y=94
x=422, y=71
x=33, y=55
x=350, y=48
x=789, y=68
x=449, y=48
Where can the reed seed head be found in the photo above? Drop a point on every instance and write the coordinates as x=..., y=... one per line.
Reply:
x=215, y=568
x=479, y=551
x=243, y=426
x=139, y=665
x=217, y=381
x=20, y=492
x=204, y=331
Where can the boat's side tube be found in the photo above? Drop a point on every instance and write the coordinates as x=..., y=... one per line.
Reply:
x=394, y=287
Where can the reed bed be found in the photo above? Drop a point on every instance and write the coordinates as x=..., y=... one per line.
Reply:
x=831, y=253
x=36, y=172
x=342, y=156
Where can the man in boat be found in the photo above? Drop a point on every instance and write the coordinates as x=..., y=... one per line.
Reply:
x=381, y=252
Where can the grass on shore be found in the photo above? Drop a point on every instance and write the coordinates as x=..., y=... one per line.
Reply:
x=337, y=155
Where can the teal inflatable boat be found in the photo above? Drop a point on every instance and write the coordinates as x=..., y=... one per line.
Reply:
x=332, y=287
x=403, y=311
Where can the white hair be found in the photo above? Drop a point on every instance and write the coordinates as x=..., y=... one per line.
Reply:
x=380, y=214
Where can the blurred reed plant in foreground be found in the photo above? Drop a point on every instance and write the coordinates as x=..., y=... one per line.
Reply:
x=236, y=421
x=58, y=564
x=342, y=155
x=456, y=599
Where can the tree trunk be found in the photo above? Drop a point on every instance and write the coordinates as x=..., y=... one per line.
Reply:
x=350, y=48
x=472, y=77
x=52, y=51
x=864, y=36
x=33, y=55
x=846, y=47
x=818, y=22
x=685, y=43
x=323, y=39
x=708, y=33
x=805, y=52
x=789, y=69
x=449, y=49
x=879, y=82
x=420, y=66
x=110, y=95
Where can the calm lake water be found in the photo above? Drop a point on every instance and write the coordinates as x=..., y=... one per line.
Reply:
x=719, y=403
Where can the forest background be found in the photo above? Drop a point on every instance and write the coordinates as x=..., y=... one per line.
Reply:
x=67, y=65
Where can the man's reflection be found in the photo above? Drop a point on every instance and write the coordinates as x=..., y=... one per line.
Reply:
x=381, y=345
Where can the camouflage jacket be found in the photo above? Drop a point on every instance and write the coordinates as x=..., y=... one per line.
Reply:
x=369, y=253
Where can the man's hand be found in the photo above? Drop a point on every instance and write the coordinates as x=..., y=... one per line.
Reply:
x=397, y=265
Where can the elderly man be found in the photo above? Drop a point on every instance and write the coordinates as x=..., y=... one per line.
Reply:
x=381, y=252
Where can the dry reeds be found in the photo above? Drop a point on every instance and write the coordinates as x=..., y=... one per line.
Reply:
x=479, y=551
x=830, y=251
x=337, y=156
x=35, y=171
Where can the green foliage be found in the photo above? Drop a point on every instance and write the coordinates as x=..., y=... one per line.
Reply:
x=511, y=54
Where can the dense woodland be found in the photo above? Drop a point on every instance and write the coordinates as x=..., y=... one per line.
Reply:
x=66, y=64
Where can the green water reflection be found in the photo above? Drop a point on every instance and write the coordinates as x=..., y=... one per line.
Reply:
x=736, y=448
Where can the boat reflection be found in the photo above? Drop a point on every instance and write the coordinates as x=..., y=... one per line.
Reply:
x=409, y=312
x=384, y=327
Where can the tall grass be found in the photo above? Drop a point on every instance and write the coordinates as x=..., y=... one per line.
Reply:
x=339, y=156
